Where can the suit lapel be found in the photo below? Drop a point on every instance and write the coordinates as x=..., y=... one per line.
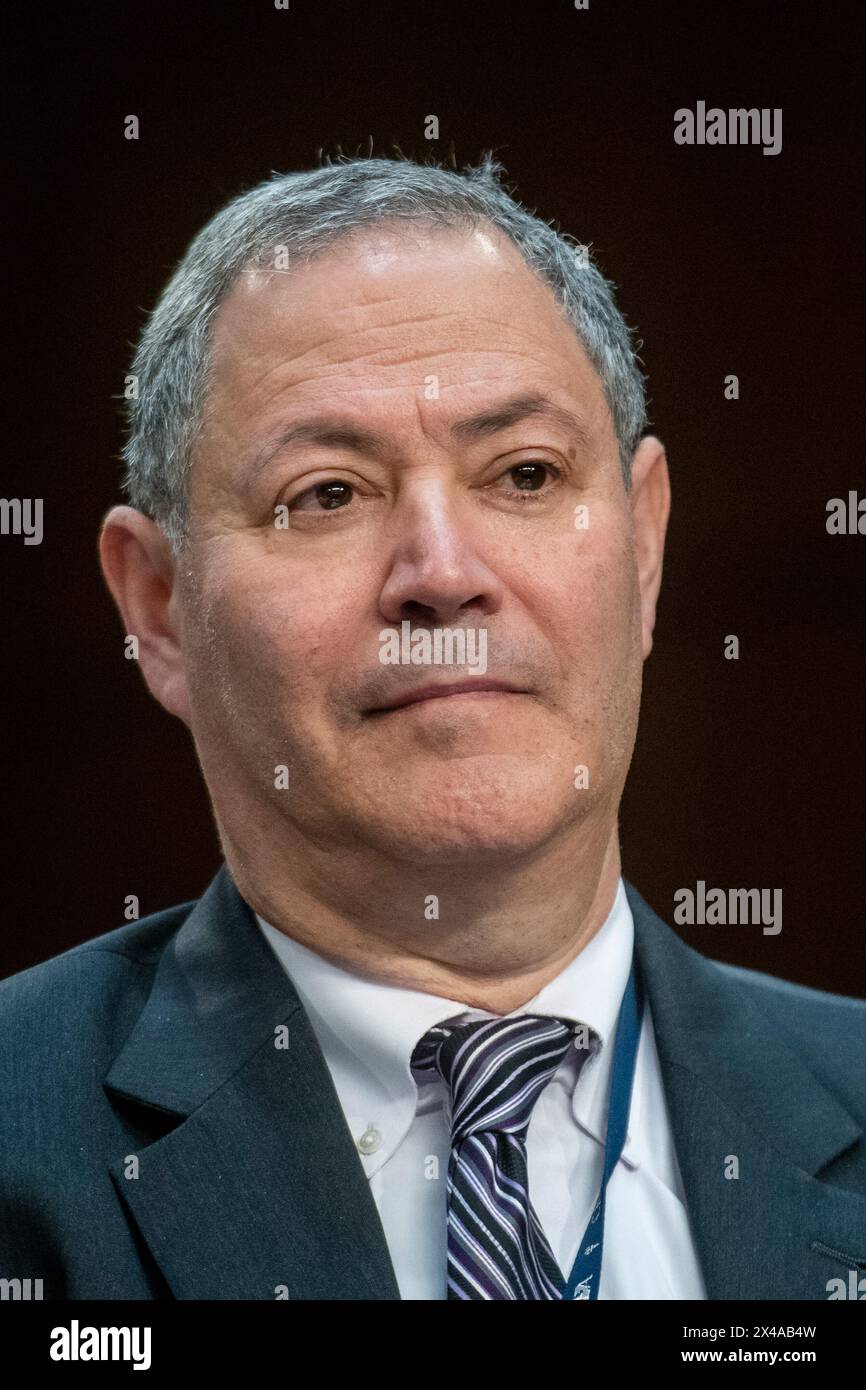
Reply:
x=256, y=1190
x=737, y=1091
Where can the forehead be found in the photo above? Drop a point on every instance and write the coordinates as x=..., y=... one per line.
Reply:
x=386, y=307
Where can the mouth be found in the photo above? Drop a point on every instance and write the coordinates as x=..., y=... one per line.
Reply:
x=473, y=689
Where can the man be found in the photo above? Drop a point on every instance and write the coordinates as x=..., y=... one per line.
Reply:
x=419, y=1039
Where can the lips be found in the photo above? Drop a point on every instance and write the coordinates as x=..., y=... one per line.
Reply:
x=441, y=692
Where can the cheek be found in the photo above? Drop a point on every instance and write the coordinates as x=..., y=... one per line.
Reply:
x=273, y=629
x=581, y=590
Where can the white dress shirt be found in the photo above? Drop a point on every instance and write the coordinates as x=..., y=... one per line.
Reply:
x=367, y=1032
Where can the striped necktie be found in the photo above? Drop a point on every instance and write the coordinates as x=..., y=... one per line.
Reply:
x=495, y=1070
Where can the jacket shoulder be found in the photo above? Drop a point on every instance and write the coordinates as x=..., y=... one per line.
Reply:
x=87, y=997
x=62, y=1023
x=800, y=1008
x=827, y=1031
x=139, y=941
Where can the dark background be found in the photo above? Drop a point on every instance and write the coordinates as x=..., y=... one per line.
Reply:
x=747, y=773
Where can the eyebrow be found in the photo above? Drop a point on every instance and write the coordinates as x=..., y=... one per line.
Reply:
x=336, y=434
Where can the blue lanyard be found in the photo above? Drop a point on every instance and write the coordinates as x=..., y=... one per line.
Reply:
x=585, y=1274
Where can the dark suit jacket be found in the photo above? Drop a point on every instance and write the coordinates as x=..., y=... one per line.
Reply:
x=153, y=1047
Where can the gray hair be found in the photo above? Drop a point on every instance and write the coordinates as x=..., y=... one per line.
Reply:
x=306, y=212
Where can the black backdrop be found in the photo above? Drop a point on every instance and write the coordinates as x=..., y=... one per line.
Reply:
x=747, y=773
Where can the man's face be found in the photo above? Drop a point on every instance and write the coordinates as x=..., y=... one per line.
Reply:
x=386, y=349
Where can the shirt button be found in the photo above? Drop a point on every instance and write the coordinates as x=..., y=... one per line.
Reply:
x=369, y=1140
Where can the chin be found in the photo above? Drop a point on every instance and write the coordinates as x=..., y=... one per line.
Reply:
x=461, y=814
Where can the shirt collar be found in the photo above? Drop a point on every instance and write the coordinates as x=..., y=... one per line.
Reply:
x=367, y=1030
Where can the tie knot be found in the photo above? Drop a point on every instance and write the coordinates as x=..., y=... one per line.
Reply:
x=495, y=1069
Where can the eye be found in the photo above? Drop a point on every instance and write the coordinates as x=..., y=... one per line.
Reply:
x=326, y=497
x=529, y=479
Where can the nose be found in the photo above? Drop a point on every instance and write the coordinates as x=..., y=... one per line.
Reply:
x=436, y=572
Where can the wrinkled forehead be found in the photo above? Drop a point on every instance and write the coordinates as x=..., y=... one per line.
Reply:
x=379, y=292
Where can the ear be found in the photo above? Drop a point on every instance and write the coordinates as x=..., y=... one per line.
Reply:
x=141, y=573
x=650, y=507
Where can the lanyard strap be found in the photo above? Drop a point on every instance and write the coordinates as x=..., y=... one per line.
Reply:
x=585, y=1274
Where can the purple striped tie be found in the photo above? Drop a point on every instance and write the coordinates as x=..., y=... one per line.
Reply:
x=495, y=1070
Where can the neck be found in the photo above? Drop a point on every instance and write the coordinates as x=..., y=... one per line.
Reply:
x=488, y=934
